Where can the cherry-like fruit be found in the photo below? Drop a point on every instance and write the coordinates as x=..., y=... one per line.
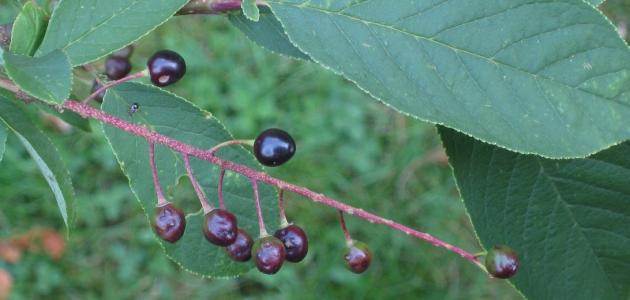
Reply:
x=220, y=227
x=357, y=257
x=295, y=242
x=268, y=254
x=117, y=68
x=502, y=262
x=169, y=223
x=241, y=249
x=274, y=147
x=166, y=67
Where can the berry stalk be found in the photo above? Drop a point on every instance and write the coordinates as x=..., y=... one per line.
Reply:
x=283, y=216
x=216, y=148
x=156, y=180
x=114, y=83
x=220, y=189
x=200, y=194
x=261, y=222
x=346, y=233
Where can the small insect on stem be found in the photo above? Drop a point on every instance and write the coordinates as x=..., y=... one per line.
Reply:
x=133, y=108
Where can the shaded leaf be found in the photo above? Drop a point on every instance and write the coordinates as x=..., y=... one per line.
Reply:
x=48, y=78
x=557, y=87
x=28, y=29
x=3, y=139
x=43, y=152
x=89, y=29
x=180, y=119
x=567, y=219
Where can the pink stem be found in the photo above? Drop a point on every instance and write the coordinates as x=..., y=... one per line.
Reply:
x=283, y=216
x=113, y=83
x=200, y=195
x=220, y=192
x=261, y=222
x=346, y=234
x=154, y=137
x=156, y=180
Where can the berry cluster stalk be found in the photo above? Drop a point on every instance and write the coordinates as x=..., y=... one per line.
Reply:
x=156, y=180
x=202, y=197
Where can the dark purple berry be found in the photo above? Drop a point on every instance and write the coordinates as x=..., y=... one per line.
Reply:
x=241, y=249
x=295, y=242
x=124, y=52
x=117, y=68
x=220, y=227
x=269, y=254
x=274, y=147
x=502, y=262
x=99, y=97
x=166, y=67
x=357, y=257
x=169, y=223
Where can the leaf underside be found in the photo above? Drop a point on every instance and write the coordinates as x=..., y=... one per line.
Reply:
x=558, y=87
x=178, y=118
x=567, y=219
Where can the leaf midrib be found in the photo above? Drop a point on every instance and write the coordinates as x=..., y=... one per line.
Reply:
x=453, y=48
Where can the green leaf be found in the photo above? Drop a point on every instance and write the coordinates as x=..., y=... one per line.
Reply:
x=567, y=219
x=267, y=33
x=3, y=139
x=250, y=10
x=557, y=86
x=28, y=29
x=595, y=2
x=43, y=152
x=67, y=116
x=180, y=119
x=89, y=29
x=48, y=77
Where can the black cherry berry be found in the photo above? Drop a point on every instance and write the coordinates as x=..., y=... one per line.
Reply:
x=268, y=254
x=274, y=147
x=295, y=242
x=117, y=68
x=166, y=67
x=357, y=257
x=220, y=227
x=241, y=249
x=169, y=223
x=502, y=262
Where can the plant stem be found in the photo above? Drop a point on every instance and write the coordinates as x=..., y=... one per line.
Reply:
x=220, y=191
x=216, y=148
x=283, y=216
x=212, y=7
x=346, y=233
x=261, y=222
x=156, y=180
x=113, y=83
x=200, y=195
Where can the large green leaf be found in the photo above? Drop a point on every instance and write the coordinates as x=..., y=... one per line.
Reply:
x=567, y=219
x=267, y=33
x=557, y=86
x=89, y=29
x=3, y=139
x=43, y=152
x=28, y=29
x=48, y=77
x=180, y=119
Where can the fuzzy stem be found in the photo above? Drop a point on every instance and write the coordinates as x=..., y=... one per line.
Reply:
x=113, y=83
x=156, y=180
x=216, y=148
x=261, y=222
x=200, y=194
x=220, y=191
x=283, y=216
x=346, y=233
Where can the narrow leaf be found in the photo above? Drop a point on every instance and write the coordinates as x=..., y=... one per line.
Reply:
x=557, y=87
x=250, y=10
x=28, y=29
x=43, y=152
x=89, y=29
x=181, y=120
x=48, y=78
x=267, y=33
x=567, y=219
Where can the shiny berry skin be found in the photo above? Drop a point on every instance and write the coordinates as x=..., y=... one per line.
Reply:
x=220, y=227
x=274, y=147
x=502, y=262
x=95, y=86
x=117, y=68
x=357, y=257
x=268, y=254
x=166, y=67
x=295, y=242
x=241, y=249
x=169, y=223
x=124, y=52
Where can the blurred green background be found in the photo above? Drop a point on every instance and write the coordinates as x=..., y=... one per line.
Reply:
x=350, y=147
